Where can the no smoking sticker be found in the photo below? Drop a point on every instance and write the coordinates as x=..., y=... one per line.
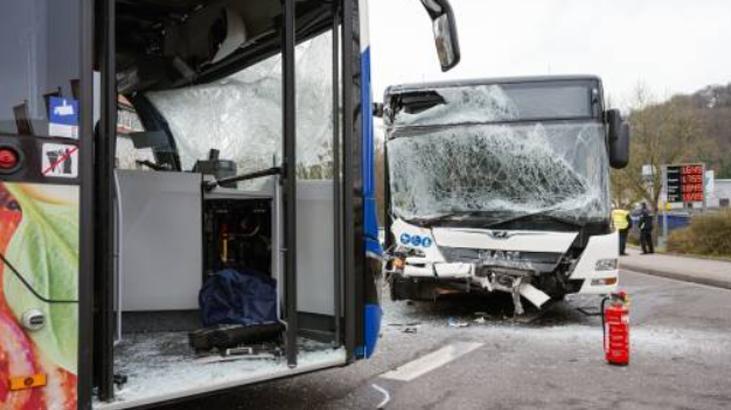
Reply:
x=60, y=160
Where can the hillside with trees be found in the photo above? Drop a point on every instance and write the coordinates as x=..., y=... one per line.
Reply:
x=712, y=106
x=685, y=128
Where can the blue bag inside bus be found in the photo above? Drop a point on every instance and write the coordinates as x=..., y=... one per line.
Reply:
x=238, y=297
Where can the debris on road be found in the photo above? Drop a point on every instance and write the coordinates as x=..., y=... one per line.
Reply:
x=452, y=322
x=482, y=317
x=408, y=324
x=386, y=396
x=409, y=327
x=590, y=311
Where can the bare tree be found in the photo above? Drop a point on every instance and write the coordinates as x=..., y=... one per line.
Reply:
x=662, y=133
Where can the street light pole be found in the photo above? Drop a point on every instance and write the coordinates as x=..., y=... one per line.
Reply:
x=664, y=206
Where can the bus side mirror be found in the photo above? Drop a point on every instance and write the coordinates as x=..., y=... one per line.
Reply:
x=619, y=134
x=445, y=32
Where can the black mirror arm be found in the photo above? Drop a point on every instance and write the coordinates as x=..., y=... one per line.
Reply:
x=433, y=8
x=210, y=185
x=378, y=110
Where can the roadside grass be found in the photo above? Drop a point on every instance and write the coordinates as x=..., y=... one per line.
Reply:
x=707, y=235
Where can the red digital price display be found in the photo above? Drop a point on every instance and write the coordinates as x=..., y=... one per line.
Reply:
x=685, y=183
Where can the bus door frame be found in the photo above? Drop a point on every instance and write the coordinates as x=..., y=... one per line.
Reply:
x=86, y=234
x=352, y=194
x=104, y=140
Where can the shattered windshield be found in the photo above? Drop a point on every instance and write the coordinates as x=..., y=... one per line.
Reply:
x=531, y=100
x=241, y=115
x=499, y=172
x=498, y=153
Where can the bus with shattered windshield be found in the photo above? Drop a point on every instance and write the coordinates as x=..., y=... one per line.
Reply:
x=186, y=196
x=501, y=185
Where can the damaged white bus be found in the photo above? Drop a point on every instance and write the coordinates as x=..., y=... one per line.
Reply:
x=501, y=185
x=186, y=196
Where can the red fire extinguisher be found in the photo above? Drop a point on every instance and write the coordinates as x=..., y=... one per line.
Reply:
x=615, y=324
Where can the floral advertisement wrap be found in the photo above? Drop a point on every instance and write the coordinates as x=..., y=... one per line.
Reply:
x=39, y=244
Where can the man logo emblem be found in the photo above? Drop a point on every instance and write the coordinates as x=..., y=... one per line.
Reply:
x=499, y=234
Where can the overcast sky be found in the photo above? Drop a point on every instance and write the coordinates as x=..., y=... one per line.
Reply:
x=670, y=45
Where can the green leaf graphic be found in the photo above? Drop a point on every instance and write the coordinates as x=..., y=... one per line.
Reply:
x=44, y=249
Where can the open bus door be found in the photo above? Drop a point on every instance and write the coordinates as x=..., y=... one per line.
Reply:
x=226, y=186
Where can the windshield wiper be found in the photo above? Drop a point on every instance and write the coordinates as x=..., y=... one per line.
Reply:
x=430, y=221
x=462, y=215
x=542, y=213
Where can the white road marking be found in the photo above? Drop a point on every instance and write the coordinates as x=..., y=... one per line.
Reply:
x=386, y=396
x=431, y=361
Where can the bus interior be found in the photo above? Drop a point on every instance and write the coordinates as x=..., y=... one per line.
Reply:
x=199, y=188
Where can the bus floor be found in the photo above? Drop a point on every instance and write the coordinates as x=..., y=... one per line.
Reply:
x=161, y=366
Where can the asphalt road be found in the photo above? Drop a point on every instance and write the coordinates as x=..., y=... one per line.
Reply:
x=680, y=358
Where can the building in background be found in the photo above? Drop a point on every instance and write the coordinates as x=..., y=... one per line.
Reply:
x=720, y=197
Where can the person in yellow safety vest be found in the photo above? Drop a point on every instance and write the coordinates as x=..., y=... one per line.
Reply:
x=623, y=223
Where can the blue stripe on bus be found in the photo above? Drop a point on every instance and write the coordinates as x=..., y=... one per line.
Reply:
x=373, y=315
x=366, y=105
x=373, y=312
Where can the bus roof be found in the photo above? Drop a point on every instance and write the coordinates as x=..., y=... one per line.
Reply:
x=405, y=88
x=164, y=44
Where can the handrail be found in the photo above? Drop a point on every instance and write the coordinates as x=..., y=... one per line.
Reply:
x=210, y=185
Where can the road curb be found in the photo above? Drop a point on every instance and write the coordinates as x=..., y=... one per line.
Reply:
x=677, y=276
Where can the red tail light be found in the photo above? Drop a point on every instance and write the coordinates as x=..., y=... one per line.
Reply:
x=9, y=159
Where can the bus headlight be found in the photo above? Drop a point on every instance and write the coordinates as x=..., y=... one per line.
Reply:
x=606, y=264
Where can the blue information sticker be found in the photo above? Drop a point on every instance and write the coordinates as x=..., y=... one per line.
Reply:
x=63, y=111
x=63, y=117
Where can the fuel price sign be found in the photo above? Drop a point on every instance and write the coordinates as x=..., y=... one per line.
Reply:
x=685, y=182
